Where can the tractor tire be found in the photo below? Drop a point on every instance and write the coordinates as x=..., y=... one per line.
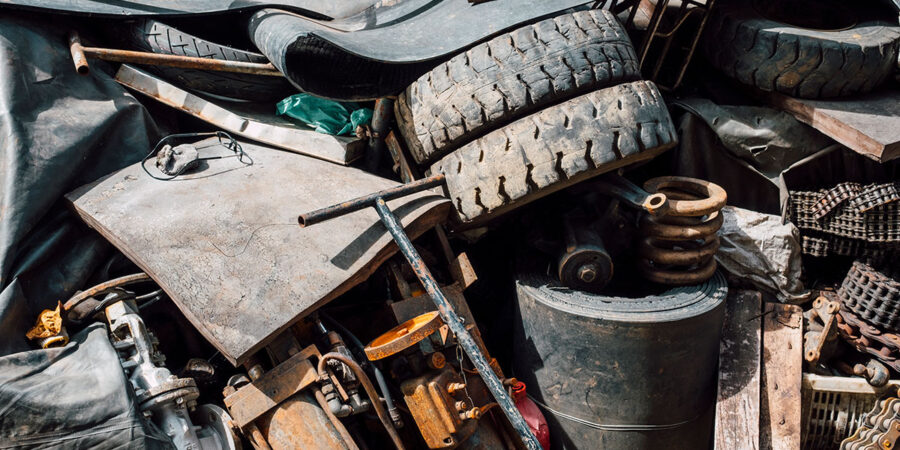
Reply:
x=510, y=76
x=555, y=148
x=854, y=57
x=151, y=36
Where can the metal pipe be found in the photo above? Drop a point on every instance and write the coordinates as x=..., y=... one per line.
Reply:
x=381, y=119
x=370, y=391
x=345, y=435
x=80, y=53
x=330, y=212
x=103, y=287
x=453, y=321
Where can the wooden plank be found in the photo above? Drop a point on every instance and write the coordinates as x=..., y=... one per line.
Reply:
x=246, y=119
x=225, y=245
x=869, y=125
x=782, y=371
x=737, y=404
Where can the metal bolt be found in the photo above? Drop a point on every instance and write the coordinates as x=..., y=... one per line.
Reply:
x=461, y=405
x=588, y=272
x=453, y=387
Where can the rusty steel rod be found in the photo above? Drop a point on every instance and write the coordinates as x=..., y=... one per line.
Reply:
x=367, y=201
x=80, y=54
x=453, y=321
x=445, y=309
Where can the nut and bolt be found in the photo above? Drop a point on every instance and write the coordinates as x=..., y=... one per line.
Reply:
x=461, y=405
x=588, y=272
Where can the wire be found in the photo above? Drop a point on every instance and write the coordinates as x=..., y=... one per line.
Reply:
x=230, y=144
x=611, y=427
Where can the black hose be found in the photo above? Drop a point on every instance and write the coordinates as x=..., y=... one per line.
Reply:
x=379, y=377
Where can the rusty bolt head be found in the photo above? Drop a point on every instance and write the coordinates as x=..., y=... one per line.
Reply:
x=454, y=387
x=474, y=413
x=588, y=272
x=437, y=360
x=461, y=405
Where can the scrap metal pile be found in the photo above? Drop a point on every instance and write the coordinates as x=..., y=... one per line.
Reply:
x=489, y=224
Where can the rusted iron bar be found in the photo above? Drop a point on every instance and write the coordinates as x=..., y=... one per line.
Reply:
x=80, y=54
x=445, y=309
x=367, y=201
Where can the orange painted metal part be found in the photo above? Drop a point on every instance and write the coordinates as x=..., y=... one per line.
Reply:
x=271, y=389
x=443, y=421
x=403, y=336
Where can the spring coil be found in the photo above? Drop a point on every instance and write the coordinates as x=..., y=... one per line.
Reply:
x=679, y=248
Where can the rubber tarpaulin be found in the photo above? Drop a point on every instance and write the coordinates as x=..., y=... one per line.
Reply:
x=58, y=130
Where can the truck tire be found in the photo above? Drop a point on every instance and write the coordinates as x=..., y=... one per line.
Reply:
x=511, y=76
x=151, y=36
x=771, y=55
x=555, y=148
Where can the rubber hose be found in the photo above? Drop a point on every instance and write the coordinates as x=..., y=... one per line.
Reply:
x=379, y=377
x=370, y=391
x=345, y=435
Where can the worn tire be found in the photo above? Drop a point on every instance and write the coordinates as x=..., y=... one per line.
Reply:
x=511, y=76
x=151, y=36
x=556, y=147
x=799, y=62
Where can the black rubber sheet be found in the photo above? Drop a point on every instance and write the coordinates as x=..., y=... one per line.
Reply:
x=58, y=130
x=381, y=50
x=315, y=8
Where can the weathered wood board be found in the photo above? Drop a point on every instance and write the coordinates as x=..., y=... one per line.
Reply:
x=224, y=242
x=737, y=404
x=782, y=370
x=869, y=125
x=245, y=119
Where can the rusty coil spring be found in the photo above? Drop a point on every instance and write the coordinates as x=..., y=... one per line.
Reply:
x=679, y=248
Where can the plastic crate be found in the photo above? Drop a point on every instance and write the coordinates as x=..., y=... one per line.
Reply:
x=833, y=407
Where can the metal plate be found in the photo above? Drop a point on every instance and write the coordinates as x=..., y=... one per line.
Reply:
x=225, y=245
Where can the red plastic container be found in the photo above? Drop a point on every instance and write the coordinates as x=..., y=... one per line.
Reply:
x=532, y=414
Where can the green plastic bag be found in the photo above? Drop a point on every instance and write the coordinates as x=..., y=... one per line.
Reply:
x=326, y=116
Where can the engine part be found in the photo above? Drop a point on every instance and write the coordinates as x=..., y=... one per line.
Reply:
x=446, y=310
x=875, y=373
x=679, y=248
x=169, y=401
x=881, y=428
x=872, y=295
x=871, y=214
x=868, y=339
x=603, y=368
x=584, y=263
x=822, y=330
x=403, y=336
x=441, y=408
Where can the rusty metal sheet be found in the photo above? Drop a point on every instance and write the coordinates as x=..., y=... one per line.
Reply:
x=274, y=387
x=225, y=245
x=246, y=119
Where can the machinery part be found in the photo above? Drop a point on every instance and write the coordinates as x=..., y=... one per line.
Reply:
x=822, y=245
x=165, y=398
x=874, y=218
x=345, y=435
x=300, y=423
x=105, y=288
x=445, y=309
x=875, y=373
x=403, y=336
x=370, y=391
x=679, y=248
x=512, y=75
x=584, y=263
x=158, y=39
x=249, y=400
x=840, y=193
x=837, y=51
x=881, y=428
x=602, y=368
x=555, y=148
x=444, y=418
x=617, y=186
x=870, y=340
x=872, y=295
x=48, y=329
x=818, y=335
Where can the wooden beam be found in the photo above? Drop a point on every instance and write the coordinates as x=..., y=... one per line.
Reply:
x=780, y=418
x=868, y=125
x=737, y=406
